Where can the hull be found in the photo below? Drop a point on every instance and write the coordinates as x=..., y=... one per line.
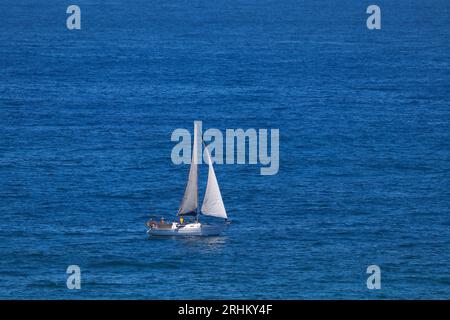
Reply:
x=190, y=229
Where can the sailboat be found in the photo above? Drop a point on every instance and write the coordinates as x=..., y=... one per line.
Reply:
x=212, y=203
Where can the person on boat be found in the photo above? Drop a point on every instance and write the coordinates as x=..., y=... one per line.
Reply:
x=162, y=221
x=181, y=219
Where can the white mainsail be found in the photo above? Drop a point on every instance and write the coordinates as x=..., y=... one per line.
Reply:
x=212, y=203
x=189, y=204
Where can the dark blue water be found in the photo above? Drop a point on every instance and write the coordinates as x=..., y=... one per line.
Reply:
x=86, y=118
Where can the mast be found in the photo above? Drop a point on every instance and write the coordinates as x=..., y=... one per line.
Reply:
x=189, y=204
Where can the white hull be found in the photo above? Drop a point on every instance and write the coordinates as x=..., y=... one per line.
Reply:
x=189, y=229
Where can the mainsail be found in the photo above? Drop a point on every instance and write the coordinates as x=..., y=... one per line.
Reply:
x=189, y=204
x=212, y=203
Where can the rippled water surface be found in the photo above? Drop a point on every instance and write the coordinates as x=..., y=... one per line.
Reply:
x=86, y=119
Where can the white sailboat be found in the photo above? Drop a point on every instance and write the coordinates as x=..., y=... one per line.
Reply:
x=212, y=203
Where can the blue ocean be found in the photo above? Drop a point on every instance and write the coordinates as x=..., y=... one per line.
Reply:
x=86, y=118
